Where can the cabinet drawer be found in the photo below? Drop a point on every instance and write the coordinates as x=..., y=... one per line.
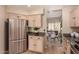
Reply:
x=39, y=37
x=36, y=43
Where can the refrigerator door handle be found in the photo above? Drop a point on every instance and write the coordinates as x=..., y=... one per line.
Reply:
x=10, y=31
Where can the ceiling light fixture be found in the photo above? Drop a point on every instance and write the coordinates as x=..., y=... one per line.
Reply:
x=28, y=5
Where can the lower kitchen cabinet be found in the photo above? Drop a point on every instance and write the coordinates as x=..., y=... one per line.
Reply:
x=36, y=44
x=31, y=43
x=39, y=43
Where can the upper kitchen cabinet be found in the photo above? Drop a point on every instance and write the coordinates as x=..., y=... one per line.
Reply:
x=35, y=21
x=27, y=17
x=31, y=21
x=38, y=21
x=74, y=22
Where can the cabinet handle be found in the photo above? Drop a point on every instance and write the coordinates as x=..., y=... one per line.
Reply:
x=34, y=44
x=38, y=38
x=74, y=23
x=74, y=20
x=74, y=17
x=31, y=37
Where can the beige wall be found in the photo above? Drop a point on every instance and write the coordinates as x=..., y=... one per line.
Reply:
x=2, y=19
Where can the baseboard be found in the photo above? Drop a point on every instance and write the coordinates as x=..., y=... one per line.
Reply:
x=3, y=52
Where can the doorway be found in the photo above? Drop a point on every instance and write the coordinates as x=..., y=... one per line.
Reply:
x=54, y=30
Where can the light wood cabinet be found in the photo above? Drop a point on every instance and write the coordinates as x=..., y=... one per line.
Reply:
x=74, y=22
x=27, y=17
x=35, y=21
x=39, y=43
x=36, y=44
x=32, y=43
x=38, y=20
x=31, y=21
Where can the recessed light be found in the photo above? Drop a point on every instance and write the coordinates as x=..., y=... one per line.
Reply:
x=28, y=5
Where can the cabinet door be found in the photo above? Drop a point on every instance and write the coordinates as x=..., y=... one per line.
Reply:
x=73, y=19
x=39, y=44
x=38, y=21
x=13, y=47
x=77, y=17
x=32, y=43
x=77, y=21
x=31, y=21
x=35, y=21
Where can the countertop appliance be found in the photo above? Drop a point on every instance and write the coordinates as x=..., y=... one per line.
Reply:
x=75, y=34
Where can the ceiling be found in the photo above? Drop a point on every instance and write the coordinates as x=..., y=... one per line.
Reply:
x=54, y=10
x=34, y=7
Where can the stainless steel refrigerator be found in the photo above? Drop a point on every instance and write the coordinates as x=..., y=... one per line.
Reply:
x=17, y=36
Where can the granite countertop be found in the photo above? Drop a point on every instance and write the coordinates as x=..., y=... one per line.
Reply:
x=66, y=34
x=37, y=33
